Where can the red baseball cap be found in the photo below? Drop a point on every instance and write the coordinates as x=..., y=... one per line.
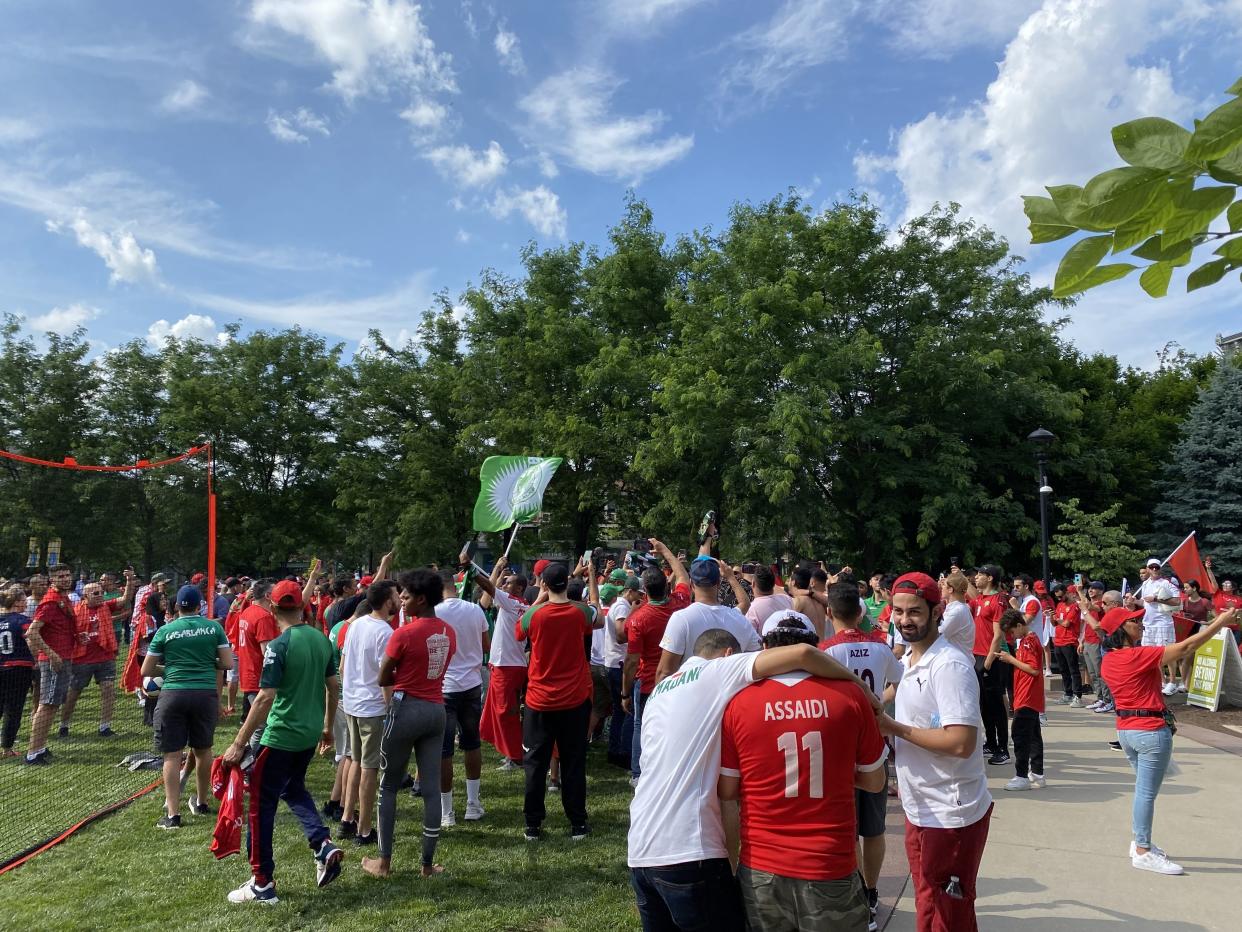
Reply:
x=197, y=578
x=1114, y=618
x=287, y=594
x=540, y=566
x=919, y=584
x=1071, y=589
x=366, y=581
x=1039, y=586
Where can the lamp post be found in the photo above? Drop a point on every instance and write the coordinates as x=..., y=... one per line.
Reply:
x=1043, y=439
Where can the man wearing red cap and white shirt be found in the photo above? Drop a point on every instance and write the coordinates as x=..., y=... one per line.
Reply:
x=940, y=768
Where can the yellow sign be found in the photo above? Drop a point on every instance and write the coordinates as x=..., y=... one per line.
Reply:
x=1205, y=678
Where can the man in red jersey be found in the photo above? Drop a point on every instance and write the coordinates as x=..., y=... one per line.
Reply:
x=256, y=627
x=793, y=749
x=53, y=635
x=95, y=658
x=1067, y=617
x=988, y=608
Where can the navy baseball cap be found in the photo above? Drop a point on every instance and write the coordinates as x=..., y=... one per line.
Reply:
x=189, y=597
x=705, y=571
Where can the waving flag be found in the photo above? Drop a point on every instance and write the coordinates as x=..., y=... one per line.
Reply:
x=1187, y=564
x=511, y=490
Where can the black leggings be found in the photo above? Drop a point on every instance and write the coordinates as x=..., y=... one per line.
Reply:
x=1071, y=676
x=14, y=685
x=1028, y=742
x=992, y=706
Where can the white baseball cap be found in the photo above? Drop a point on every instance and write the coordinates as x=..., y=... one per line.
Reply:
x=774, y=621
x=1153, y=562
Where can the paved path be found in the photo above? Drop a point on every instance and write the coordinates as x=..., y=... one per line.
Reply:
x=1056, y=858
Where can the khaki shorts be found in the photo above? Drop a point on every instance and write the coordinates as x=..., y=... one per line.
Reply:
x=601, y=695
x=364, y=740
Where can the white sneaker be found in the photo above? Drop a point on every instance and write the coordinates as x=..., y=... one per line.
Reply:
x=1156, y=863
x=1155, y=848
x=1038, y=780
x=509, y=765
x=1043, y=719
x=1169, y=688
x=1182, y=688
x=1075, y=703
x=1018, y=783
x=448, y=820
x=249, y=893
x=1097, y=705
x=474, y=812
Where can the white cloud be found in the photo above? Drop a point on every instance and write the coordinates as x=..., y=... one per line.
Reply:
x=425, y=115
x=128, y=261
x=509, y=50
x=373, y=46
x=64, y=320
x=540, y=207
x=642, y=13
x=1082, y=57
x=547, y=167
x=801, y=35
x=463, y=237
x=569, y=113
x=292, y=127
x=186, y=96
x=468, y=167
x=190, y=327
x=15, y=130
x=937, y=28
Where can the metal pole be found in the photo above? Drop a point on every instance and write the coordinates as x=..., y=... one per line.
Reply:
x=1043, y=514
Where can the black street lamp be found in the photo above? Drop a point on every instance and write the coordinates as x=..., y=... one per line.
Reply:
x=1043, y=439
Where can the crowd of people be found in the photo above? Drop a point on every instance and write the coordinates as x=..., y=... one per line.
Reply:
x=760, y=716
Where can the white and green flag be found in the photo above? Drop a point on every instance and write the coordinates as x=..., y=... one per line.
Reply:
x=511, y=490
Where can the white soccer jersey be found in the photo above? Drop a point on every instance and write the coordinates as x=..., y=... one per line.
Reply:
x=870, y=660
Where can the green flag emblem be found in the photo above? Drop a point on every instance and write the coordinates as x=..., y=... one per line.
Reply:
x=511, y=490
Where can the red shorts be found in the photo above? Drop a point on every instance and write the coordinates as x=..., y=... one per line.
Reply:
x=501, y=725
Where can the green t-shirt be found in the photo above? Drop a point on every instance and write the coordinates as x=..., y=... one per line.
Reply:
x=296, y=665
x=188, y=649
x=874, y=606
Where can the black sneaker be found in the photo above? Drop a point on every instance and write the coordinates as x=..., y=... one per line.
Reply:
x=533, y=833
x=1001, y=757
x=42, y=759
x=329, y=810
x=408, y=782
x=169, y=821
x=369, y=838
x=62, y=732
x=873, y=904
x=107, y=732
x=579, y=832
x=347, y=830
x=1115, y=745
x=328, y=863
x=198, y=807
x=988, y=750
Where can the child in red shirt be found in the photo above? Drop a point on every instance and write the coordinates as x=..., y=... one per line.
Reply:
x=1028, y=700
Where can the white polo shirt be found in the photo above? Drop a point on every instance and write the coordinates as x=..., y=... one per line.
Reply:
x=958, y=627
x=361, y=657
x=675, y=813
x=465, y=669
x=938, y=790
x=506, y=651
x=618, y=611
x=685, y=626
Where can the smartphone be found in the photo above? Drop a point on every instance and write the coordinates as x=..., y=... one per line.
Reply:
x=470, y=548
x=642, y=545
x=1078, y=579
x=586, y=557
x=749, y=568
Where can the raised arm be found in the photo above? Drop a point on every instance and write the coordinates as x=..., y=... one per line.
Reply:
x=679, y=568
x=385, y=564
x=309, y=589
x=739, y=592
x=1195, y=641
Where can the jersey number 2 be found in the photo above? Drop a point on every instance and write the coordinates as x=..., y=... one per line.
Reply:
x=812, y=743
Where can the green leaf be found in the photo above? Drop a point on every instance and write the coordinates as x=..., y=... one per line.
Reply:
x=1231, y=250
x=1235, y=88
x=1068, y=201
x=1114, y=196
x=1047, y=224
x=1098, y=276
x=1219, y=132
x=1152, y=142
x=1154, y=251
x=1235, y=216
x=1207, y=274
x=1155, y=279
x=1227, y=169
x=1078, y=262
x=1195, y=210
x=1147, y=221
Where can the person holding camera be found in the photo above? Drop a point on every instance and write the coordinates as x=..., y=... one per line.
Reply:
x=1132, y=670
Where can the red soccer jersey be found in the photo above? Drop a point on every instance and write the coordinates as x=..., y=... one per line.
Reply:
x=255, y=627
x=1133, y=677
x=1068, y=617
x=988, y=609
x=96, y=636
x=558, y=676
x=60, y=625
x=795, y=741
x=422, y=648
x=645, y=629
x=1223, y=601
x=1028, y=689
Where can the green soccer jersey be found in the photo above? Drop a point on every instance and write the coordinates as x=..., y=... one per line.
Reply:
x=188, y=649
x=296, y=665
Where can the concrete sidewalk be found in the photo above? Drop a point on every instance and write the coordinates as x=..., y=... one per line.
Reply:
x=1056, y=858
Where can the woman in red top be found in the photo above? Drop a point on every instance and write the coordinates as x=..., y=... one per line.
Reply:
x=1226, y=599
x=413, y=668
x=1133, y=674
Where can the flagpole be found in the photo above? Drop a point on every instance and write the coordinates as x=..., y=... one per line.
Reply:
x=1177, y=548
x=505, y=556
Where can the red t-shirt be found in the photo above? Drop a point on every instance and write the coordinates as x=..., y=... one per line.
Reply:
x=644, y=630
x=60, y=625
x=230, y=620
x=96, y=636
x=1196, y=611
x=1028, y=689
x=796, y=741
x=1223, y=601
x=255, y=627
x=988, y=610
x=422, y=648
x=1089, y=634
x=1068, y=617
x=1133, y=677
x=558, y=676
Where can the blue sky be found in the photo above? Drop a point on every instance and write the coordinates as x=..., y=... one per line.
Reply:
x=174, y=167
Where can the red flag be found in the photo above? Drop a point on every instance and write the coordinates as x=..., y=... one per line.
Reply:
x=1187, y=564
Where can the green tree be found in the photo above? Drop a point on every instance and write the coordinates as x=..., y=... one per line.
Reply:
x=1095, y=545
x=1152, y=207
x=1201, y=489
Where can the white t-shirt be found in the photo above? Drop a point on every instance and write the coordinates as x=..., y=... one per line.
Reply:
x=675, y=813
x=685, y=626
x=1036, y=623
x=870, y=660
x=614, y=653
x=506, y=651
x=465, y=669
x=597, y=647
x=958, y=626
x=764, y=605
x=361, y=656
x=1157, y=615
x=938, y=790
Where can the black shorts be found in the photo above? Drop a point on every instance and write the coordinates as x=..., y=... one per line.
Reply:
x=462, y=712
x=872, y=809
x=185, y=717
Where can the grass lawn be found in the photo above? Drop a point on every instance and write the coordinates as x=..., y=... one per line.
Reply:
x=122, y=872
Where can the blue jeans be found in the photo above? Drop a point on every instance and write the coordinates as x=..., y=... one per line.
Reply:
x=278, y=775
x=621, y=730
x=698, y=896
x=1148, y=753
x=640, y=701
